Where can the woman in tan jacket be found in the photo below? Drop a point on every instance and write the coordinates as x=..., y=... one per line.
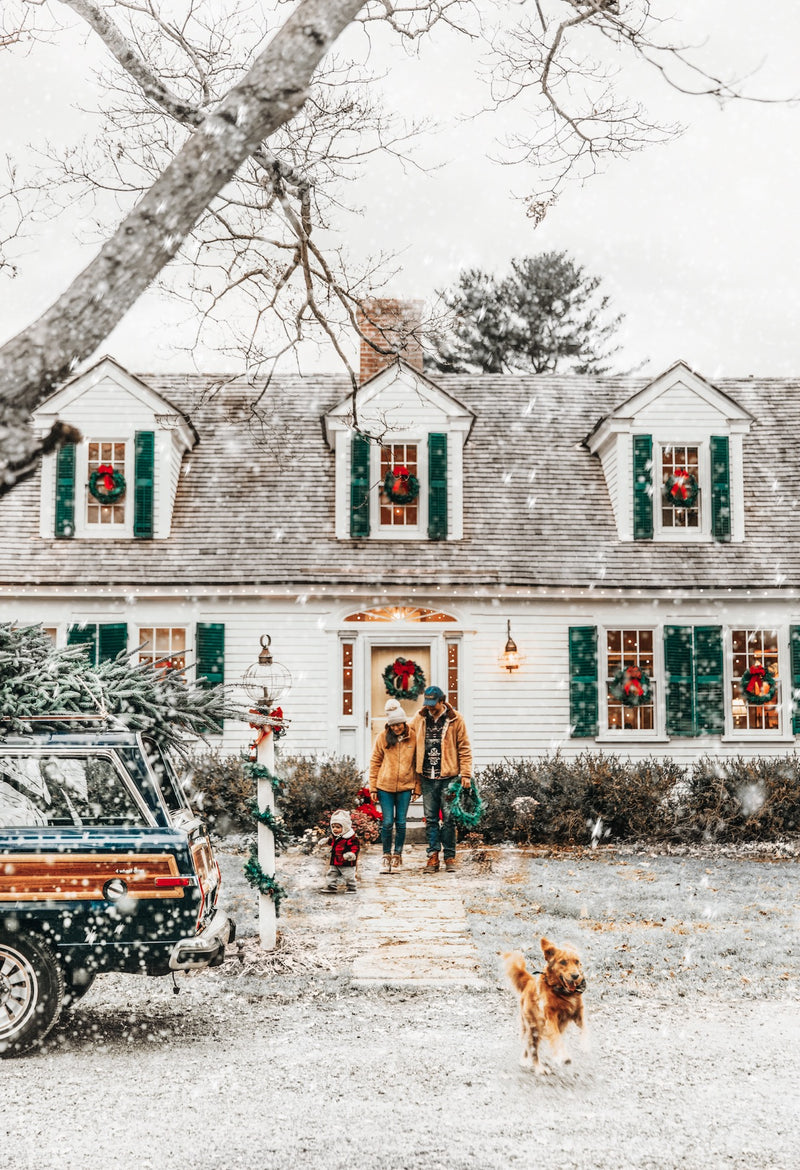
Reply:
x=393, y=780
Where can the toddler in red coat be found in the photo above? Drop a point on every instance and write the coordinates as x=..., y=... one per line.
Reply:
x=344, y=854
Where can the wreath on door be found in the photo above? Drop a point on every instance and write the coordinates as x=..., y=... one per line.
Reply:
x=404, y=679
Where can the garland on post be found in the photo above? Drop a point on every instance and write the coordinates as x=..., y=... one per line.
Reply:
x=106, y=484
x=400, y=485
x=758, y=685
x=261, y=881
x=276, y=825
x=630, y=686
x=404, y=679
x=257, y=772
x=467, y=818
x=681, y=488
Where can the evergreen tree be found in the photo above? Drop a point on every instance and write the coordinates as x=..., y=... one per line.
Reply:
x=546, y=316
x=37, y=679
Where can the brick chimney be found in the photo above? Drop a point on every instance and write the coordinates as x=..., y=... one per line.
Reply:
x=394, y=325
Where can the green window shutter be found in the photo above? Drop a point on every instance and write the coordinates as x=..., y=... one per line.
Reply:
x=794, y=640
x=642, y=487
x=65, y=492
x=112, y=640
x=437, y=487
x=709, y=681
x=359, y=487
x=583, y=681
x=720, y=488
x=84, y=636
x=211, y=652
x=680, y=688
x=143, y=484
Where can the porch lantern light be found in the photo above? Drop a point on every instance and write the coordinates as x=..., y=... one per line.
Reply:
x=511, y=657
x=266, y=681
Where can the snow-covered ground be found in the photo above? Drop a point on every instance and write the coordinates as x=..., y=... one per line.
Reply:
x=694, y=988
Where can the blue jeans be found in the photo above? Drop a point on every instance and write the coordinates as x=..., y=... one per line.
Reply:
x=394, y=806
x=433, y=801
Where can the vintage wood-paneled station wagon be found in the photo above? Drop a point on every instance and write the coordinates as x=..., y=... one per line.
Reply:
x=103, y=867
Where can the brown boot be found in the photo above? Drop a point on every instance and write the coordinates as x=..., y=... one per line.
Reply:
x=450, y=864
x=397, y=862
x=432, y=864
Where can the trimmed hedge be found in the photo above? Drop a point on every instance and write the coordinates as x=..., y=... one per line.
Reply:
x=595, y=796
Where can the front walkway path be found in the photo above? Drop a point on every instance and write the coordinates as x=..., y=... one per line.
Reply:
x=413, y=926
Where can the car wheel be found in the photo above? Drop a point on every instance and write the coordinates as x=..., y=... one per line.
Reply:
x=77, y=981
x=31, y=992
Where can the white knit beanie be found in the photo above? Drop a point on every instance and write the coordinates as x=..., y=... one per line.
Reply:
x=394, y=712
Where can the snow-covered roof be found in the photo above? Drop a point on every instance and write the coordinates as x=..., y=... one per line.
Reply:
x=255, y=501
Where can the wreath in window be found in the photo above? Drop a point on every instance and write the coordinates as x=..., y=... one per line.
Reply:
x=758, y=685
x=400, y=485
x=106, y=484
x=631, y=687
x=681, y=488
x=404, y=679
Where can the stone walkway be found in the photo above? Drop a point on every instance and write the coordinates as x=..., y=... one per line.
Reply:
x=402, y=929
x=414, y=928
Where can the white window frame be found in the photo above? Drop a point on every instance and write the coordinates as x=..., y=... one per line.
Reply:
x=608, y=734
x=784, y=692
x=189, y=651
x=84, y=530
x=416, y=531
x=683, y=535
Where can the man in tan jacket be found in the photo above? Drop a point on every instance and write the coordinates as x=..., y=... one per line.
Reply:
x=443, y=754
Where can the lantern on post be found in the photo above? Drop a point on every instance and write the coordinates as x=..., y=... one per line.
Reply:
x=264, y=683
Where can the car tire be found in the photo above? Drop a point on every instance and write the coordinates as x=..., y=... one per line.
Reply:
x=31, y=992
x=77, y=981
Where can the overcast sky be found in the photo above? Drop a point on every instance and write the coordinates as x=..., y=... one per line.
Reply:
x=696, y=240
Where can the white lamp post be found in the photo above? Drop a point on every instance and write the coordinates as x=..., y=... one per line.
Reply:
x=265, y=682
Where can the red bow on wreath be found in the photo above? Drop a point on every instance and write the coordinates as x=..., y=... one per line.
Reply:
x=400, y=484
x=107, y=472
x=757, y=673
x=633, y=682
x=680, y=488
x=404, y=672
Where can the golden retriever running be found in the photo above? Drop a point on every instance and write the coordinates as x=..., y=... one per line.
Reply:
x=548, y=1000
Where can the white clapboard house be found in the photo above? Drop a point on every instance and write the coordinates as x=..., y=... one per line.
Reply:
x=546, y=514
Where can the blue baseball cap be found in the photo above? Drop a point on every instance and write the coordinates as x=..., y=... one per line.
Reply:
x=432, y=696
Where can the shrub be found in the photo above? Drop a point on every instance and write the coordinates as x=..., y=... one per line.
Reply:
x=220, y=791
x=737, y=799
x=314, y=785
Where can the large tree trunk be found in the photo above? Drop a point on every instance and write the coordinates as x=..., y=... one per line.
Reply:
x=271, y=93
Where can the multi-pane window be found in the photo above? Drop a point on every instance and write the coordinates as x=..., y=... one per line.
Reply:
x=400, y=457
x=163, y=646
x=755, y=699
x=347, y=678
x=680, y=469
x=452, y=673
x=629, y=652
x=103, y=455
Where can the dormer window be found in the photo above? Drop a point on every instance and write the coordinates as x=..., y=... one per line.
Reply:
x=680, y=488
x=399, y=470
x=106, y=474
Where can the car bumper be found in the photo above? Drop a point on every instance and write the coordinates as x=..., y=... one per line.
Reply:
x=206, y=949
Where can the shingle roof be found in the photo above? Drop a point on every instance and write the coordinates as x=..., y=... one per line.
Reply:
x=255, y=504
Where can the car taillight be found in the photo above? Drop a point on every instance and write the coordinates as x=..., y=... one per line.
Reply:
x=171, y=882
x=202, y=902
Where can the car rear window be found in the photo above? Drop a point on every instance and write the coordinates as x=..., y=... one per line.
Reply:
x=70, y=790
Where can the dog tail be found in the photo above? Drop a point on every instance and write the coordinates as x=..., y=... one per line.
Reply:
x=516, y=970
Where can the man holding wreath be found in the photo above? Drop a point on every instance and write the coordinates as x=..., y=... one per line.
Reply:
x=443, y=755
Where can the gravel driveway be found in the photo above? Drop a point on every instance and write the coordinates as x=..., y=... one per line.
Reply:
x=252, y=1068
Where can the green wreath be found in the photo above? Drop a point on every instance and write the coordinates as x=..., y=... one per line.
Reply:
x=400, y=485
x=112, y=487
x=404, y=679
x=631, y=687
x=753, y=682
x=467, y=818
x=681, y=489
